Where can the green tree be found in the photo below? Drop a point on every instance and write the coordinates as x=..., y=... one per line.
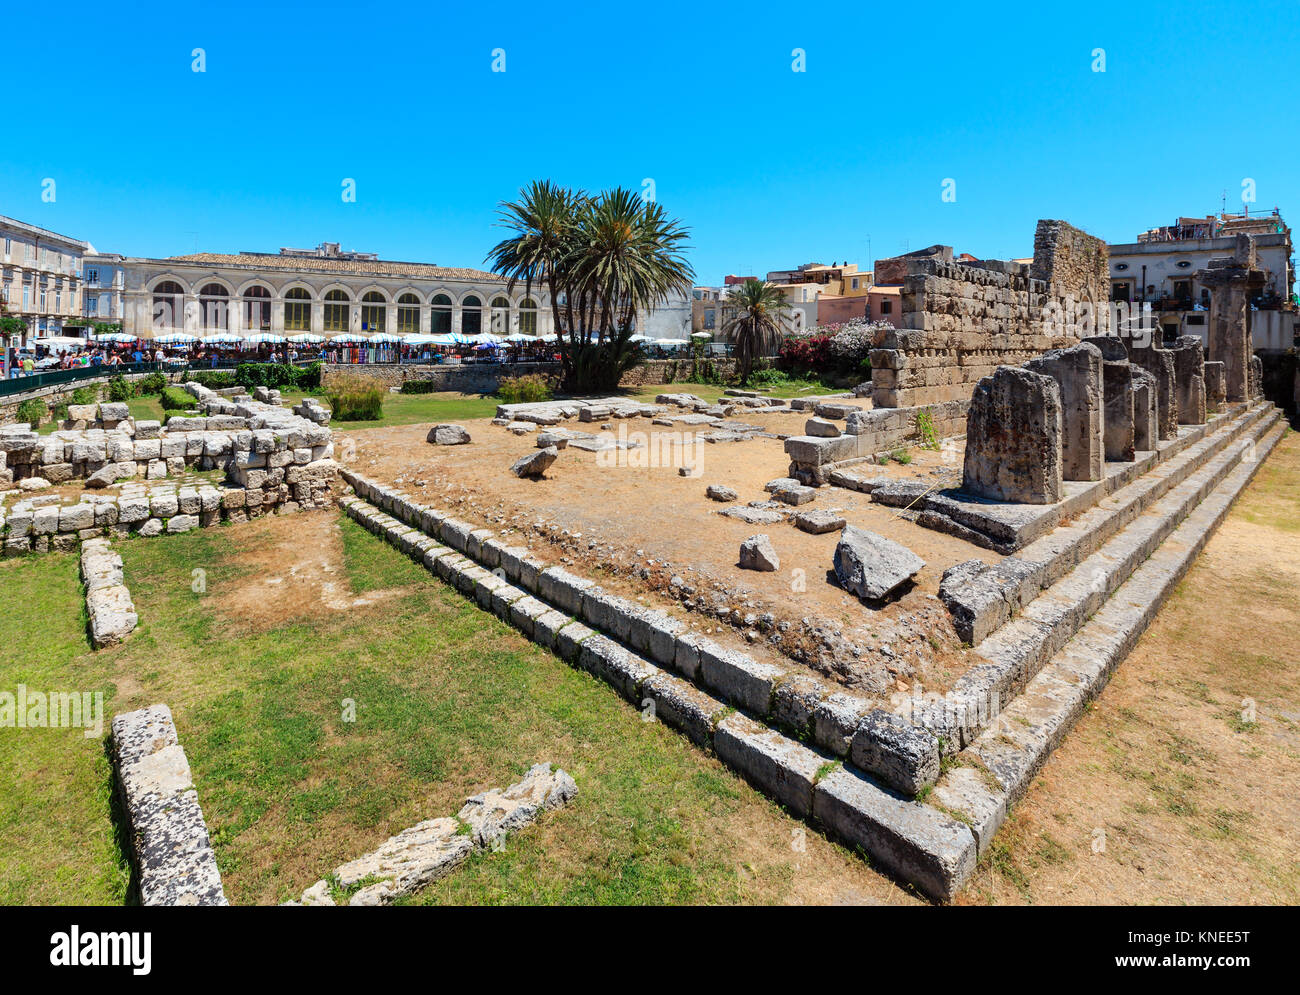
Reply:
x=762, y=317
x=603, y=259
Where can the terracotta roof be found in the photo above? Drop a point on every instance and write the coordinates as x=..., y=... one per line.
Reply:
x=377, y=267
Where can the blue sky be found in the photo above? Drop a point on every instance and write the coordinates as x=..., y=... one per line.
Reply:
x=768, y=167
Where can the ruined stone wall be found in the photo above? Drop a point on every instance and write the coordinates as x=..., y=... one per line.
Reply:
x=960, y=321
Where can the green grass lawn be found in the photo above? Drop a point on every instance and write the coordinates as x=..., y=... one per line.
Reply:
x=448, y=701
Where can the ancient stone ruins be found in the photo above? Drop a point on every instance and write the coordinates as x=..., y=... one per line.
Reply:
x=1083, y=463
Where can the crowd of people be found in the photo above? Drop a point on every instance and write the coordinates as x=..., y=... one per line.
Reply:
x=144, y=352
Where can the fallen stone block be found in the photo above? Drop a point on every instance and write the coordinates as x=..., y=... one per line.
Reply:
x=871, y=566
x=448, y=435
x=819, y=522
x=756, y=553
x=534, y=464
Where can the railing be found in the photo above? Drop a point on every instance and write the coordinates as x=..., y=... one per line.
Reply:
x=58, y=378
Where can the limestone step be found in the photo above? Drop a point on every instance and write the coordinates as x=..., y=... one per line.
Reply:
x=995, y=770
x=915, y=842
x=1010, y=527
x=1048, y=558
x=981, y=600
x=1015, y=652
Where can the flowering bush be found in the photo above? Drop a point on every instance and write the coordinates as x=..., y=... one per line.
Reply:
x=836, y=347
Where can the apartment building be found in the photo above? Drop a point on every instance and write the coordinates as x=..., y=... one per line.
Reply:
x=40, y=276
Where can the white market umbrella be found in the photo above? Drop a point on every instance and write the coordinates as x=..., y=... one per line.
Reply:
x=222, y=338
x=670, y=341
x=109, y=337
x=417, y=339
x=264, y=338
x=177, y=338
x=442, y=340
x=386, y=338
x=351, y=338
x=307, y=338
x=701, y=335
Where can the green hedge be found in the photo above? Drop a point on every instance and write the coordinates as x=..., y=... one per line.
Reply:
x=279, y=376
x=418, y=387
x=177, y=399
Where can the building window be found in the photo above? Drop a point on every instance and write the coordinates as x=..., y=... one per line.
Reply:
x=440, y=315
x=92, y=276
x=297, y=310
x=855, y=283
x=471, y=315
x=91, y=304
x=42, y=301
x=336, y=312
x=886, y=307
x=168, y=305
x=500, y=316
x=9, y=247
x=58, y=303
x=214, y=307
x=408, y=314
x=528, y=316
x=257, y=309
x=373, y=310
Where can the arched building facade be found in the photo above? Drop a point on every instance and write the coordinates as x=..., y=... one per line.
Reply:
x=209, y=293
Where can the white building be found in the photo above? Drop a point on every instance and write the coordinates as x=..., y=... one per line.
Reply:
x=328, y=291
x=40, y=276
x=103, y=286
x=1160, y=269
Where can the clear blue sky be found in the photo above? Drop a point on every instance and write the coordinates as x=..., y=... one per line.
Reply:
x=768, y=167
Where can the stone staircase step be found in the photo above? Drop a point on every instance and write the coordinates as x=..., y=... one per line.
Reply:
x=1015, y=652
x=996, y=768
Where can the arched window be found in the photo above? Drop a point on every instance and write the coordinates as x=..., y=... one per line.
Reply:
x=528, y=316
x=214, y=307
x=408, y=314
x=500, y=316
x=257, y=309
x=440, y=315
x=374, y=308
x=336, y=311
x=168, y=306
x=297, y=310
x=471, y=316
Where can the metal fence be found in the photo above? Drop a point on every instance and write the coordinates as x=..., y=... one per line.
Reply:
x=23, y=383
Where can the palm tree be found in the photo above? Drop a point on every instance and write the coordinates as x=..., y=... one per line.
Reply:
x=604, y=259
x=544, y=226
x=761, y=318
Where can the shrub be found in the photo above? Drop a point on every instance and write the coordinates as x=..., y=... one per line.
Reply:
x=152, y=384
x=418, y=387
x=926, y=429
x=525, y=389
x=119, y=389
x=176, y=399
x=31, y=411
x=279, y=376
x=212, y=379
x=356, y=399
x=84, y=395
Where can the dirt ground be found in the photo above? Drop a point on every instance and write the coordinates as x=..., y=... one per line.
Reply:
x=292, y=571
x=634, y=524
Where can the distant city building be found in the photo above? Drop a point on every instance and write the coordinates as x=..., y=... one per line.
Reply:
x=103, y=286
x=327, y=291
x=1160, y=269
x=40, y=276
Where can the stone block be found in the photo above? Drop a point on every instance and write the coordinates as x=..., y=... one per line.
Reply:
x=1013, y=438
